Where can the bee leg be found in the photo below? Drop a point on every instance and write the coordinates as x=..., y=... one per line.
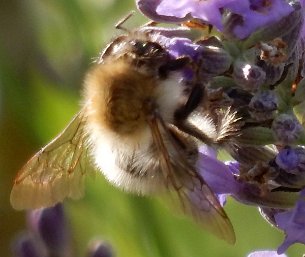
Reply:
x=196, y=97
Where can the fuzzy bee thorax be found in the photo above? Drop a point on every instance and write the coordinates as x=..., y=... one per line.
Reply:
x=120, y=96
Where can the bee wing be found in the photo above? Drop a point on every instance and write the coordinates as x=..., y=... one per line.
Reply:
x=196, y=197
x=55, y=172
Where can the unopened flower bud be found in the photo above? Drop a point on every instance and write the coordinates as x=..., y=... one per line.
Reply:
x=248, y=76
x=292, y=160
x=286, y=128
x=99, y=248
x=263, y=105
x=214, y=60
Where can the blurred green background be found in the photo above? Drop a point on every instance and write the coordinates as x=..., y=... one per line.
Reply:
x=46, y=46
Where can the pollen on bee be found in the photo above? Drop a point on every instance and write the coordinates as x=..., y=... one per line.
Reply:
x=117, y=95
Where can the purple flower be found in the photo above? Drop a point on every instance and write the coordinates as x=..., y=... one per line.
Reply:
x=50, y=225
x=260, y=14
x=266, y=254
x=148, y=8
x=216, y=174
x=224, y=179
x=208, y=11
x=293, y=224
x=183, y=46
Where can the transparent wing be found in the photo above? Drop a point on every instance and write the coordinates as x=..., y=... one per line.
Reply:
x=196, y=197
x=55, y=172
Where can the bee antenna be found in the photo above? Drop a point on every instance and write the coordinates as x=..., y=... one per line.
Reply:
x=123, y=20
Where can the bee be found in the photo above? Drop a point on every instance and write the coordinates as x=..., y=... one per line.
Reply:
x=133, y=125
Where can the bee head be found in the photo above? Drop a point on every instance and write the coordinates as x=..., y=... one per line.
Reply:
x=146, y=53
x=142, y=52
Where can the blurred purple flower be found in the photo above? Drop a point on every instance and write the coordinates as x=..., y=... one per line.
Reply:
x=25, y=245
x=293, y=224
x=50, y=225
x=260, y=14
x=266, y=254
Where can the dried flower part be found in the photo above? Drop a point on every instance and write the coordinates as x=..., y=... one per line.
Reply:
x=287, y=129
x=299, y=92
x=248, y=76
x=273, y=52
x=263, y=105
